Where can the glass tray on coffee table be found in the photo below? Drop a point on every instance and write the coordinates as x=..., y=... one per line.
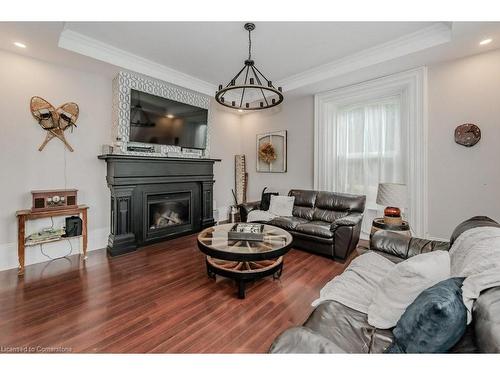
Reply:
x=243, y=260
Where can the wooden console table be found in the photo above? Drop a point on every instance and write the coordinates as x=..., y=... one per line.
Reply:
x=25, y=215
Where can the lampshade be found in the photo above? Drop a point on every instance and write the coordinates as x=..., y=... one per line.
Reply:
x=394, y=195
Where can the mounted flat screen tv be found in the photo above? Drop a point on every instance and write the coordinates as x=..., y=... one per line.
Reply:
x=158, y=120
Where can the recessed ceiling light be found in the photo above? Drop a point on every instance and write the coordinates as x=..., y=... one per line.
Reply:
x=170, y=116
x=20, y=45
x=240, y=110
x=486, y=41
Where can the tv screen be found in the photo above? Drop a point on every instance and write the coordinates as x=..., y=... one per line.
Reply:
x=158, y=120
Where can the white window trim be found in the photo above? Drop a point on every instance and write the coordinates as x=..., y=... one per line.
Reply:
x=412, y=86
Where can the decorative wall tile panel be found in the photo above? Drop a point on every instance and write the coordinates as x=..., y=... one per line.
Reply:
x=124, y=82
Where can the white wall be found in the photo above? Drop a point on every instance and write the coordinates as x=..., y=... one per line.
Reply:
x=225, y=142
x=463, y=181
x=23, y=168
x=296, y=116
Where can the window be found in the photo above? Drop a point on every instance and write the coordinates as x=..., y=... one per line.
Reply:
x=368, y=150
x=374, y=132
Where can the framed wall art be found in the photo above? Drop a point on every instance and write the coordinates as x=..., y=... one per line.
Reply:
x=272, y=152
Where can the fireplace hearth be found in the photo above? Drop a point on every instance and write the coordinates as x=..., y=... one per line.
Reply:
x=155, y=199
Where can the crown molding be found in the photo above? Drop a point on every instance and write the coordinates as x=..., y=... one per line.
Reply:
x=98, y=50
x=425, y=38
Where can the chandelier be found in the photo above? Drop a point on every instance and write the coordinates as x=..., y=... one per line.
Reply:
x=249, y=89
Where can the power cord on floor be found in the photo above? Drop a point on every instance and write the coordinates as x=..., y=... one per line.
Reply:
x=64, y=256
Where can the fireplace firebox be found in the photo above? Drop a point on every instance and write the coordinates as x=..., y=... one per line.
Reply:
x=167, y=211
x=155, y=199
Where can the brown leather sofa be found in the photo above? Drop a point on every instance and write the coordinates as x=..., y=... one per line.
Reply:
x=335, y=328
x=323, y=222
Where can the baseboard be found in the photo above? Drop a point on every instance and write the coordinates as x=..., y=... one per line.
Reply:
x=98, y=239
x=223, y=213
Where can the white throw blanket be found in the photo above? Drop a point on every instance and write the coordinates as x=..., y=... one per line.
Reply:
x=356, y=286
x=258, y=215
x=476, y=255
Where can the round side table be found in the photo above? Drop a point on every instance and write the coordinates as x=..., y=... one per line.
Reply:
x=379, y=224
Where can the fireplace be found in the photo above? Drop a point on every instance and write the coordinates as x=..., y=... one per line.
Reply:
x=170, y=213
x=167, y=211
x=155, y=199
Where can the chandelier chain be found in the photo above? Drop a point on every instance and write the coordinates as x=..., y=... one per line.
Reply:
x=249, y=45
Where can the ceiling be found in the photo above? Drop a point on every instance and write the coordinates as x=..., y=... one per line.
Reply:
x=301, y=56
x=211, y=50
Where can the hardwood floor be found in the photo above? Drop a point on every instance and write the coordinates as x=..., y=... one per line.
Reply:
x=158, y=299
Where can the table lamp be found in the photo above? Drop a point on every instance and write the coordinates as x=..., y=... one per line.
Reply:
x=394, y=197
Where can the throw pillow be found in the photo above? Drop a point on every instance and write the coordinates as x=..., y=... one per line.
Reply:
x=434, y=322
x=265, y=200
x=399, y=288
x=281, y=205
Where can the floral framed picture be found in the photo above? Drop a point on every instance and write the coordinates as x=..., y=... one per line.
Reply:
x=271, y=152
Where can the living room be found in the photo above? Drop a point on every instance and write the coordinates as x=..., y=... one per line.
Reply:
x=264, y=185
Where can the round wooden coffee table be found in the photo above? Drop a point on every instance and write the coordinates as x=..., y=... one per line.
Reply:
x=242, y=260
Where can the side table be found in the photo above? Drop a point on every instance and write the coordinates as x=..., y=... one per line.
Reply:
x=25, y=215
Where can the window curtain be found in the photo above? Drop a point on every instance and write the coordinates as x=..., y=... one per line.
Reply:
x=365, y=148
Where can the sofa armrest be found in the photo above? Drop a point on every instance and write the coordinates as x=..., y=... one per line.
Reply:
x=246, y=207
x=346, y=231
x=350, y=220
x=486, y=320
x=402, y=246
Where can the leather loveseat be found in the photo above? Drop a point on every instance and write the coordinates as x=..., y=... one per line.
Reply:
x=323, y=222
x=335, y=328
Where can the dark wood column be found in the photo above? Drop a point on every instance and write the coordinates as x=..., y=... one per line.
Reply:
x=208, y=199
x=121, y=239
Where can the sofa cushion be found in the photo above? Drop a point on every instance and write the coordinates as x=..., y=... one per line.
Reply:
x=304, y=198
x=327, y=215
x=287, y=222
x=303, y=212
x=434, y=322
x=315, y=228
x=314, y=244
x=303, y=340
x=486, y=313
x=348, y=329
x=340, y=202
x=303, y=206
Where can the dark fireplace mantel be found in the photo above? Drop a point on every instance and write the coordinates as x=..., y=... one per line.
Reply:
x=138, y=183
